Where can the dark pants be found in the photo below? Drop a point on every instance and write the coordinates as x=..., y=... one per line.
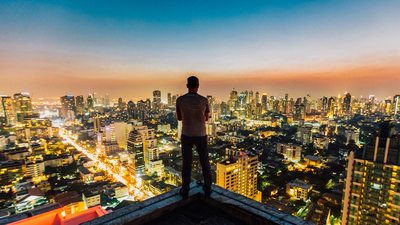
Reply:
x=187, y=158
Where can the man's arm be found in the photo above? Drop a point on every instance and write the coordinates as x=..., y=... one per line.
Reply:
x=178, y=112
x=207, y=112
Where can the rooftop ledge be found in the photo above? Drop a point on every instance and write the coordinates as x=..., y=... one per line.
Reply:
x=224, y=207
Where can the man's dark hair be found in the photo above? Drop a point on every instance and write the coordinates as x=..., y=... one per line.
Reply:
x=192, y=82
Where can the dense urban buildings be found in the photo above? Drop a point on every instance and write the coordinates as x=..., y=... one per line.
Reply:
x=287, y=153
x=371, y=191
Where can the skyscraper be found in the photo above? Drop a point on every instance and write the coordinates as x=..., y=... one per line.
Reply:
x=90, y=103
x=239, y=174
x=371, y=191
x=7, y=109
x=331, y=107
x=107, y=100
x=169, y=99
x=68, y=109
x=156, y=100
x=132, y=110
x=80, y=104
x=251, y=97
x=121, y=104
x=257, y=97
x=23, y=105
x=346, y=103
x=299, y=112
x=264, y=102
x=396, y=104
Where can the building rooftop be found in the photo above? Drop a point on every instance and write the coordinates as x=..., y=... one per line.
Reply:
x=224, y=207
x=312, y=157
x=84, y=170
x=299, y=183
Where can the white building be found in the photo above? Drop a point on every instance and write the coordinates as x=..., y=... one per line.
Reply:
x=298, y=189
x=290, y=151
x=35, y=169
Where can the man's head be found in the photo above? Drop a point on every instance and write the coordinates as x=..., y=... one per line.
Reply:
x=192, y=83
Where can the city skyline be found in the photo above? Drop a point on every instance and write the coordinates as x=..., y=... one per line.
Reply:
x=323, y=49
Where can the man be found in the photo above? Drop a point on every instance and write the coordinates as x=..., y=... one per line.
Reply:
x=192, y=109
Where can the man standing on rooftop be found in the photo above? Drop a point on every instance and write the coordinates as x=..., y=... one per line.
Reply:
x=192, y=109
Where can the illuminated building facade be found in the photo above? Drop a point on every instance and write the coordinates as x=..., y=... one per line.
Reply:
x=290, y=151
x=396, y=104
x=346, y=103
x=299, y=112
x=298, y=189
x=372, y=185
x=330, y=107
x=239, y=174
x=35, y=169
x=156, y=100
x=68, y=107
x=23, y=105
x=7, y=109
x=80, y=104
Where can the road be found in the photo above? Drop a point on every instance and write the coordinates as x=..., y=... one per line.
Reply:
x=137, y=193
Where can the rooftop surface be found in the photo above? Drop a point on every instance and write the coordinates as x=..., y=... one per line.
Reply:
x=224, y=207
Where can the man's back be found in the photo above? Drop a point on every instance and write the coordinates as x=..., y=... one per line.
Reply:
x=193, y=109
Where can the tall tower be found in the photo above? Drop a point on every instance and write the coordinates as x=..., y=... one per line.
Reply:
x=80, y=104
x=239, y=174
x=372, y=191
x=169, y=98
x=257, y=97
x=346, y=103
x=67, y=106
x=264, y=101
x=7, y=109
x=396, y=104
x=90, y=103
x=251, y=97
x=23, y=105
x=331, y=107
x=156, y=100
x=107, y=100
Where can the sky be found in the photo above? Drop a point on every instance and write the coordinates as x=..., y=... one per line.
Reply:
x=130, y=48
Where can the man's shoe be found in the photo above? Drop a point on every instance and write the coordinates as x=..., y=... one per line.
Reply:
x=184, y=194
x=208, y=193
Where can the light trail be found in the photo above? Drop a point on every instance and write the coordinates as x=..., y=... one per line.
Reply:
x=132, y=189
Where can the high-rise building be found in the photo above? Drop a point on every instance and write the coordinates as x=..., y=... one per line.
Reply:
x=7, y=109
x=371, y=188
x=169, y=99
x=80, y=104
x=251, y=97
x=257, y=97
x=331, y=107
x=299, y=112
x=135, y=145
x=142, y=109
x=264, y=102
x=67, y=107
x=132, y=110
x=156, y=100
x=121, y=104
x=346, y=103
x=324, y=104
x=107, y=100
x=23, y=105
x=396, y=104
x=90, y=103
x=239, y=174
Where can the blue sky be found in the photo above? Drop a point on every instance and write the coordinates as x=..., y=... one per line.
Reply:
x=108, y=47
